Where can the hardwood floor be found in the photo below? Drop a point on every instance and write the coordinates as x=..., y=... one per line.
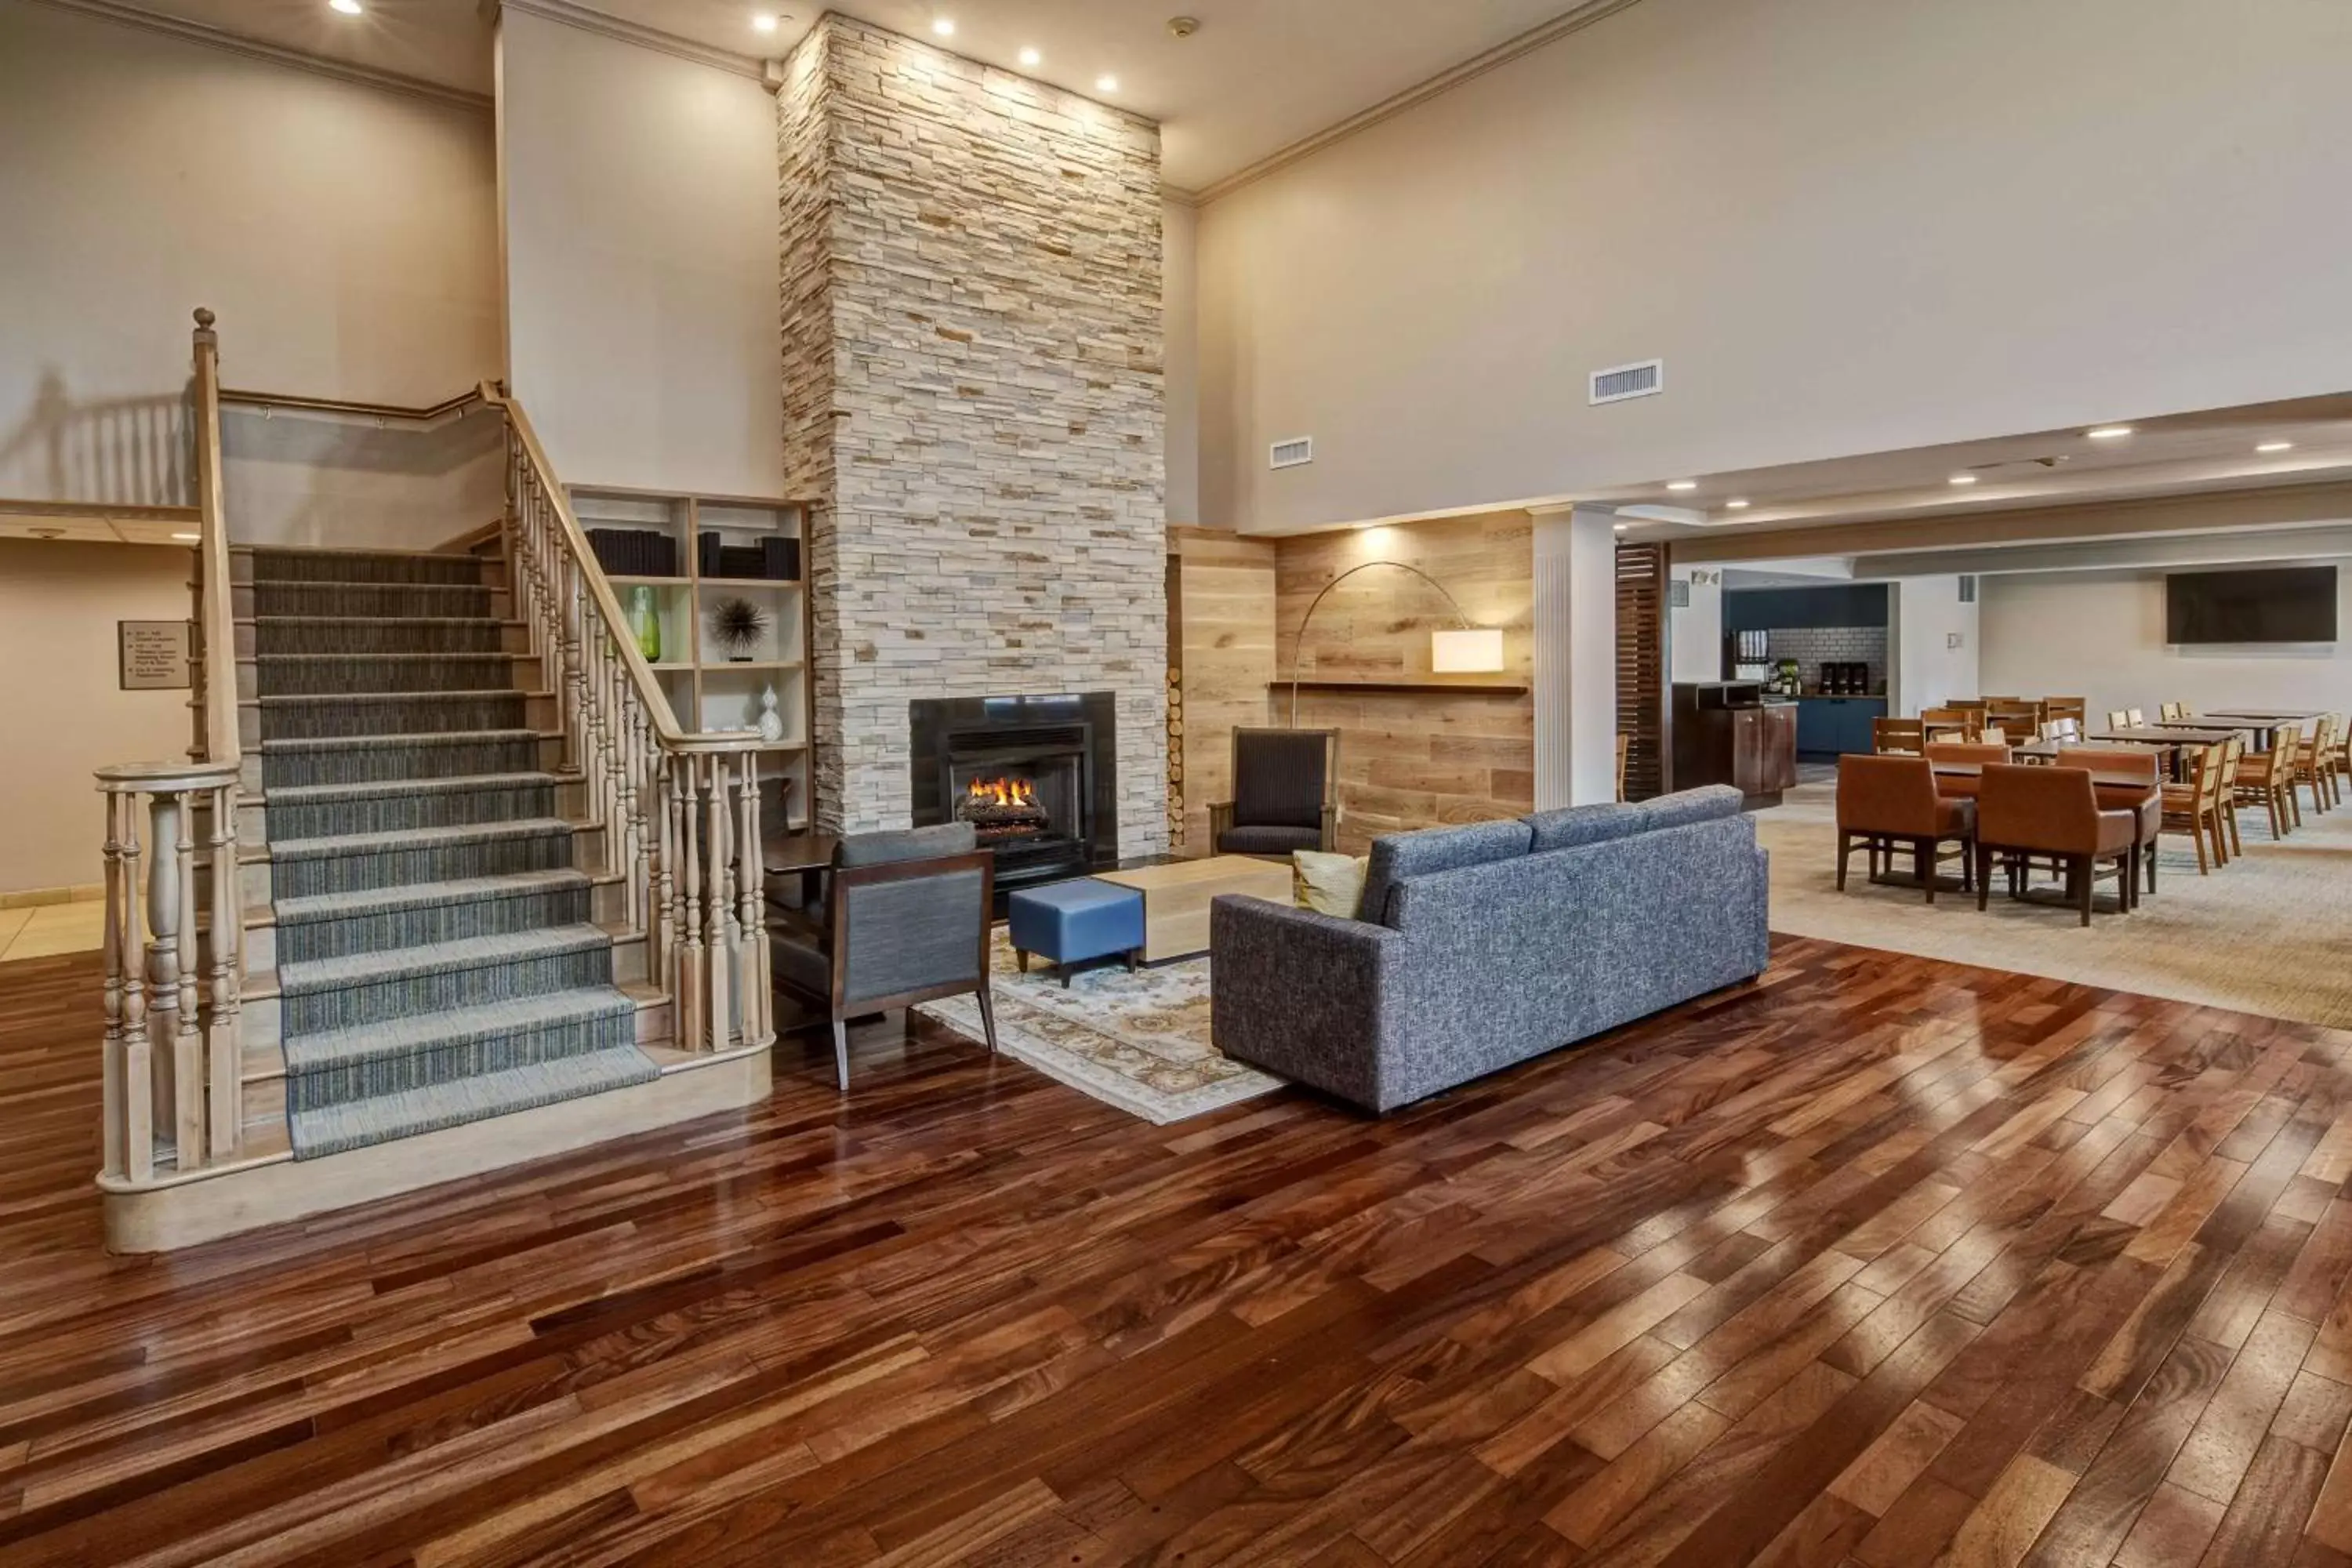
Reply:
x=1885, y=1262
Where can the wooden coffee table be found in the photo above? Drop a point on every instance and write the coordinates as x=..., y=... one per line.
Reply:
x=1176, y=898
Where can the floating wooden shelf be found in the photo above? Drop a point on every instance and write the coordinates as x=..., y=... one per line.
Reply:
x=1458, y=687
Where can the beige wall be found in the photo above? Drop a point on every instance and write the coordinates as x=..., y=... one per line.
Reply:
x=344, y=234
x=641, y=257
x=59, y=702
x=1181, y=314
x=1849, y=226
x=2100, y=635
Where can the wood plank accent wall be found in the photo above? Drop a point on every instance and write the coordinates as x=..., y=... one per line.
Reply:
x=1415, y=759
x=1642, y=667
x=1225, y=655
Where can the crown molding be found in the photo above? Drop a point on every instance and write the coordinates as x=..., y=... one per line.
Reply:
x=573, y=14
x=1527, y=43
x=129, y=15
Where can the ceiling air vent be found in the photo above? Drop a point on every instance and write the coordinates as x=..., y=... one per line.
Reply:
x=1967, y=590
x=1293, y=454
x=1616, y=384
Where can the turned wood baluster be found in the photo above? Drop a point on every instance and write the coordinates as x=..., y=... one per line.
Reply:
x=163, y=960
x=717, y=914
x=617, y=845
x=138, y=1049
x=573, y=694
x=227, y=1068
x=637, y=885
x=690, y=974
x=664, y=873
x=111, y=1063
x=187, y=1040
x=750, y=922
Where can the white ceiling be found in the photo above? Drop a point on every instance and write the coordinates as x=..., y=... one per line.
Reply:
x=2183, y=454
x=1258, y=76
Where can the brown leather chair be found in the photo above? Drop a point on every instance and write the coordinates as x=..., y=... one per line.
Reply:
x=2145, y=796
x=1963, y=786
x=1886, y=801
x=2028, y=814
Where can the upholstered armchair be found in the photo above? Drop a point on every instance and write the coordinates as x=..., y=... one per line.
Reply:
x=1888, y=801
x=906, y=918
x=2142, y=795
x=1284, y=794
x=2030, y=814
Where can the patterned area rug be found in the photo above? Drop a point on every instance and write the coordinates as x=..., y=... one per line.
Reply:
x=1138, y=1041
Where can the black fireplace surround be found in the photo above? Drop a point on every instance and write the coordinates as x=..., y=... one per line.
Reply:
x=1036, y=776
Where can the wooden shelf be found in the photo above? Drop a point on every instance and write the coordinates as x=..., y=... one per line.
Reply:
x=648, y=581
x=749, y=666
x=1458, y=687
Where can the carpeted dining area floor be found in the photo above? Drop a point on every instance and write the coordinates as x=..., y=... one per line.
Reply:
x=2269, y=933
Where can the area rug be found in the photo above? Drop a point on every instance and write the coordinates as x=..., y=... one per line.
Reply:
x=1139, y=1041
x=2265, y=934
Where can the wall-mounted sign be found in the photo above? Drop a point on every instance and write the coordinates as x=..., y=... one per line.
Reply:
x=153, y=655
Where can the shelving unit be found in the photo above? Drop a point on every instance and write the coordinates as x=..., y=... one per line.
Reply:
x=707, y=689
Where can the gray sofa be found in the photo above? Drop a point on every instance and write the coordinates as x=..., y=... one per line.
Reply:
x=1478, y=947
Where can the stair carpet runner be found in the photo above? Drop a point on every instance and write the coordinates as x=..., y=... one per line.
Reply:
x=436, y=961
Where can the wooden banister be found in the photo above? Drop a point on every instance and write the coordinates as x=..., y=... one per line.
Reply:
x=248, y=398
x=216, y=611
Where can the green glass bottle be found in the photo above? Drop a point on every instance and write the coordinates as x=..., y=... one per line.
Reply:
x=648, y=623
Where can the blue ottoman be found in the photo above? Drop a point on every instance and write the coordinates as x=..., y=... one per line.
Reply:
x=1070, y=922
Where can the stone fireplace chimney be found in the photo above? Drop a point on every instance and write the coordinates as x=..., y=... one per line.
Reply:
x=972, y=391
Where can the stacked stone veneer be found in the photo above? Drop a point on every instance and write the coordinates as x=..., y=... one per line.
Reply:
x=972, y=386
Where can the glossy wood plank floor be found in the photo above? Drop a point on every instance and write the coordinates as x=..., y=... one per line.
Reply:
x=1883, y=1262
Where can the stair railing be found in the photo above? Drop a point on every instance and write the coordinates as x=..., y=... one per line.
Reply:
x=172, y=1066
x=680, y=811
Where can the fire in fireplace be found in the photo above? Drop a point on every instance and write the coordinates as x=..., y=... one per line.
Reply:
x=1037, y=777
x=1003, y=808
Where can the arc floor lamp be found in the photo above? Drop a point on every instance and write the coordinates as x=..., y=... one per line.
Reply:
x=1467, y=650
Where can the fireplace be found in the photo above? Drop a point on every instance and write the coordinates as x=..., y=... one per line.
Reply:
x=1037, y=777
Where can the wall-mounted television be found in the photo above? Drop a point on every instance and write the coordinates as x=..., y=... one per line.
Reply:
x=2274, y=603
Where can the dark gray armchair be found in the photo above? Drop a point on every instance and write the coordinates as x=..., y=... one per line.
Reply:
x=1285, y=784
x=906, y=921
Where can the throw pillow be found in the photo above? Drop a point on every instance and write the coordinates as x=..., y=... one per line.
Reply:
x=1328, y=884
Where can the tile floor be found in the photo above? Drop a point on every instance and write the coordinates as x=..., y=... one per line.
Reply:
x=48, y=930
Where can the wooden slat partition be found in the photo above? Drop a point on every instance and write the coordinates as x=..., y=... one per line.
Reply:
x=1641, y=694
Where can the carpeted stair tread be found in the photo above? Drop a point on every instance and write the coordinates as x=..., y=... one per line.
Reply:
x=437, y=958
x=415, y=838
x=414, y=895
x=356, y=1124
x=286, y=697
x=369, y=566
x=443, y=783
x=296, y=745
x=358, y=636
x=427, y=1032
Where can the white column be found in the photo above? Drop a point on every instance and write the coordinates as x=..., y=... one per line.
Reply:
x=1575, y=657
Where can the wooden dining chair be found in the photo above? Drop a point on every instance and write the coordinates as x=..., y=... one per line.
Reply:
x=2267, y=779
x=2195, y=807
x=1947, y=723
x=2018, y=718
x=2338, y=762
x=1991, y=735
x=2118, y=720
x=1901, y=737
x=2075, y=708
x=2136, y=718
x=2233, y=753
x=2062, y=729
x=2309, y=769
x=2172, y=713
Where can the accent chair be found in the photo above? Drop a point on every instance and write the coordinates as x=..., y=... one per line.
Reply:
x=906, y=920
x=1285, y=799
x=1885, y=801
x=2033, y=814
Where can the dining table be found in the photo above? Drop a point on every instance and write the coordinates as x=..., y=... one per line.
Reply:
x=2261, y=727
x=2117, y=790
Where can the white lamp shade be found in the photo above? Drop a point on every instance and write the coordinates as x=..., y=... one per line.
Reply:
x=1475, y=650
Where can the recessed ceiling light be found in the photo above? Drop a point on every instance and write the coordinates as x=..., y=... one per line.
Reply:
x=2109, y=432
x=1964, y=478
x=198, y=538
x=943, y=27
x=1106, y=83
x=1736, y=505
x=1032, y=57
x=1682, y=484
x=2275, y=447
x=1621, y=527
x=765, y=21
x=347, y=7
